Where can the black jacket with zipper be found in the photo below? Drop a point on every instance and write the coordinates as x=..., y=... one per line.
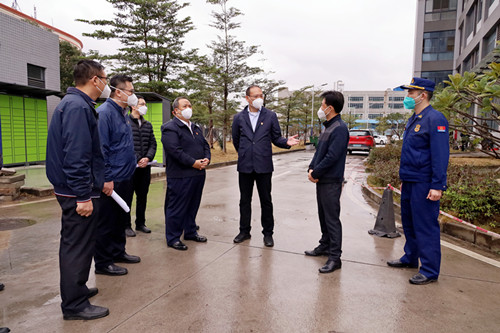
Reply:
x=144, y=138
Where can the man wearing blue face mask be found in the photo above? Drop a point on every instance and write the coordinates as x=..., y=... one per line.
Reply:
x=187, y=155
x=117, y=147
x=424, y=161
x=254, y=129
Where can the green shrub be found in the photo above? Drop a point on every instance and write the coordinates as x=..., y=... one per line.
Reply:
x=473, y=193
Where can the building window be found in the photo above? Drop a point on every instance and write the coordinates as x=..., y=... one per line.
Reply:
x=470, y=23
x=377, y=105
x=396, y=98
x=374, y=115
x=489, y=43
x=376, y=99
x=437, y=76
x=479, y=12
x=36, y=76
x=396, y=105
x=438, y=45
x=437, y=10
x=355, y=98
x=356, y=105
x=470, y=61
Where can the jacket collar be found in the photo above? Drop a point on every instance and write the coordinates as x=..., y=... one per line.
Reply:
x=331, y=121
x=75, y=91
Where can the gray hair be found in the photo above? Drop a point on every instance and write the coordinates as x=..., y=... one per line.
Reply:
x=175, y=105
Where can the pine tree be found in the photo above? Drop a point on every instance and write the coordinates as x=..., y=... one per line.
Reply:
x=152, y=37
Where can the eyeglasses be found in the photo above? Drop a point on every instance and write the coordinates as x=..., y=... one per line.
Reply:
x=103, y=77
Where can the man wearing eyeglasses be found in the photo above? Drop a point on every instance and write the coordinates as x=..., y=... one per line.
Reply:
x=254, y=129
x=117, y=147
x=75, y=167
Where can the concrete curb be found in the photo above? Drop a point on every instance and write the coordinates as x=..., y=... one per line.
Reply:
x=485, y=241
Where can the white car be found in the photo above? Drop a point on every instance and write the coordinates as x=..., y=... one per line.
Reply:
x=380, y=139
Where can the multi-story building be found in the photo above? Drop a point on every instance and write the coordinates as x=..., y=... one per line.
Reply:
x=370, y=105
x=454, y=36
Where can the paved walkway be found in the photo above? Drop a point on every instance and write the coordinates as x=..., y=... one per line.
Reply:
x=220, y=286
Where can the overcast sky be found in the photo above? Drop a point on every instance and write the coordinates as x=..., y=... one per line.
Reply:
x=367, y=44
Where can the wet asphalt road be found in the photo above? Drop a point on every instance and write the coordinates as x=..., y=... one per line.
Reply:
x=220, y=286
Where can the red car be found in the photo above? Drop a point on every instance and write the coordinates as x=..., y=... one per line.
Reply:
x=360, y=140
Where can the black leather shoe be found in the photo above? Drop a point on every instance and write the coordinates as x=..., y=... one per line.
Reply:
x=196, y=238
x=89, y=313
x=330, y=266
x=143, y=229
x=316, y=252
x=92, y=292
x=420, y=278
x=268, y=241
x=128, y=259
x=241, y=237
x=4, y=330
x=179, y=246
x=2, y=287
x=129, y=232
x=398, y=264
x=111, y=270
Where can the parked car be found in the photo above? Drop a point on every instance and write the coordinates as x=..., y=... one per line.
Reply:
x=380, y=139
x=360, y=140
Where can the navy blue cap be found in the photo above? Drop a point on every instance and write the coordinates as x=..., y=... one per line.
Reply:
x=418, y=83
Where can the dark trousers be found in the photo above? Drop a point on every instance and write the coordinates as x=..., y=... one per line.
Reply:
x=182, y=202
x=421, y=227
x=263, y=181
x=75, y=254
x=110, y=243
x=328, y=197
x=141, y=181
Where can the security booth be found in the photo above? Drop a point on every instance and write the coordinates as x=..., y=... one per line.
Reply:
x=24, y=123
x=159, y=111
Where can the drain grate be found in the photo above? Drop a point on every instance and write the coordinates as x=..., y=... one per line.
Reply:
x=11, y=224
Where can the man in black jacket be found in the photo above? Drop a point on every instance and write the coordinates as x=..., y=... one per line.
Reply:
x=326, y=170
x=145, y=150
x=253, y=130
x=187, y=155
x=75, y=167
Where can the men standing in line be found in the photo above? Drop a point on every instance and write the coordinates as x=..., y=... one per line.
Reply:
x=117, y=147
x=424, y=162
x=145, y=150
x=253, y=130
x=75, y=167
x=326, y=170
x=187, y=155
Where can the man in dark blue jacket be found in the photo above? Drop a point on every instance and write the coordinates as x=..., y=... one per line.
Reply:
x=187, y=155
x=254, y=129
x=326, y=170
x=424, y=162
x=117, y=147
x=75, y=167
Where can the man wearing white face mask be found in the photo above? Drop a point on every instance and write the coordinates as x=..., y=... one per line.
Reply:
x=117, y=147
x=253, y=130
x=326, y=170
x=145, y=150
x=187, y=155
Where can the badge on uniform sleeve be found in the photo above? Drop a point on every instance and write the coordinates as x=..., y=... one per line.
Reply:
x=417, y=128
x=441, y=129
x=196, y=133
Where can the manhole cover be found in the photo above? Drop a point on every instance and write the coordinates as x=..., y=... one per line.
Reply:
x=11, y=224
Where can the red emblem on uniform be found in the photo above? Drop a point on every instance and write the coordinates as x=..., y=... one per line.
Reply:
x=441, y=128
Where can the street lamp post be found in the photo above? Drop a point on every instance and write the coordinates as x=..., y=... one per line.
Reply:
x=312, y=107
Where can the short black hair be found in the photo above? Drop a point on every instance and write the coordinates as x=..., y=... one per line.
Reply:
x=335, y=99
x=175, y=104
x=118, y=81
x=249, y=88
x=140, y=97
x=84, y=70
x=429, y=94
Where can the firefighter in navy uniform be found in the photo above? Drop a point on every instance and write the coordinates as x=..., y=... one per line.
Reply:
x=424, y=161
